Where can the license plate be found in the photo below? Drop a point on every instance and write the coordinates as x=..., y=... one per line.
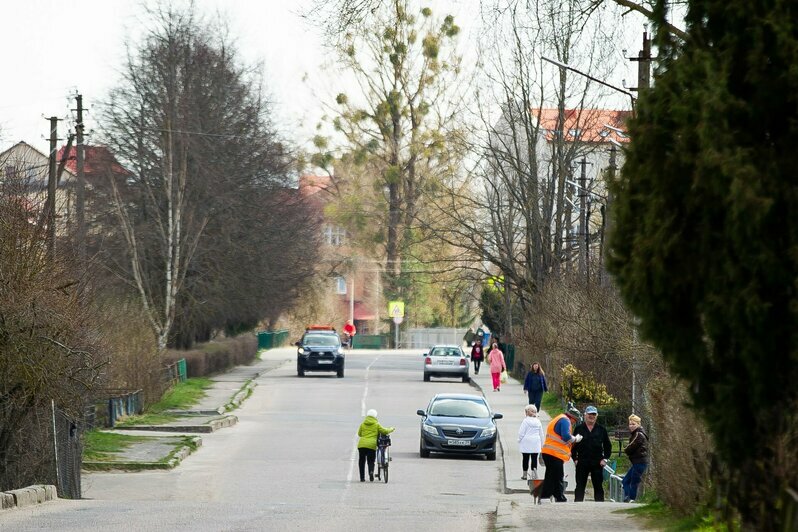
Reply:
x=459, y=442
x=325, y=361
x=444, y=363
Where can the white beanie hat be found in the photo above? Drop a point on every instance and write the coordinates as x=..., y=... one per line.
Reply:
x=372, y=413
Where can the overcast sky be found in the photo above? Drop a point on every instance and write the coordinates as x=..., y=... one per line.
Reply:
x=52, y=49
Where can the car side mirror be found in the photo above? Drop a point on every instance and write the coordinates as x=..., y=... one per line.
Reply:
x=497, y=416
x=421, y=413
x=423, y=354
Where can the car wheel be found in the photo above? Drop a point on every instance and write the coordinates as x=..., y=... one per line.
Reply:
x=340, y=373
x=426, y=377
x=491, y=456
x=422, y=451
x=466, y=378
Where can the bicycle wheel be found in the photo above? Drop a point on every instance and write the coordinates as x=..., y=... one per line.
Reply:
x=385, y=459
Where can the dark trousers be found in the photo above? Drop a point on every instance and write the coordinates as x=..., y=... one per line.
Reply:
x=535, y=398
x=366, y=454
x=596, y=473
x=477, y=363
x=552, y=481
x=526, y=459
x=631, y=481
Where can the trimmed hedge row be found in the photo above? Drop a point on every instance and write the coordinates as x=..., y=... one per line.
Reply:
x=216, y=356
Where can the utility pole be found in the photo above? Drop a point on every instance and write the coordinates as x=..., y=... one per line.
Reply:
x=80, y=204
x=643, y=65
x=51, y=187
x=583, y=217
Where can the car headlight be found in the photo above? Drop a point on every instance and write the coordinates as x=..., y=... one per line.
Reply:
x=301, y=350
x=430, y=429
x=487, y=433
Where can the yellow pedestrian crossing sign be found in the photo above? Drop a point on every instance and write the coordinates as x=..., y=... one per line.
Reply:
x=396, y=309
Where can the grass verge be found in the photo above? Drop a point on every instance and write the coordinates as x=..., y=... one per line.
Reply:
x=102, y=446
x=181, y=396
x=658, y=516
x=552, y=404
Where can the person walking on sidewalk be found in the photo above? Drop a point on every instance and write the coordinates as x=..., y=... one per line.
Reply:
x=637, y=451
x=476, y=355
x=590, y=455
x=555, y=452
x=530, y=441
x=367, y=444
x=497, y=365
x=535, y=384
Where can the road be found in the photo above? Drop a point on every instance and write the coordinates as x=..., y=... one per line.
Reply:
x=290, y=464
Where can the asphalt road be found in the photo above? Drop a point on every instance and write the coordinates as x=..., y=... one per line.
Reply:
x=291, y=464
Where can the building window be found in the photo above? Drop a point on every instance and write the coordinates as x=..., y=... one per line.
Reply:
x=575, y=133
x=340, y=285
x=334, y=236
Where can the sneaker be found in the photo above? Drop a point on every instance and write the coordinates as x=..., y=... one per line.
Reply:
x=631, y=500
x=371, y=477
x=523, y=477
x=533, y=474
x=362, y=480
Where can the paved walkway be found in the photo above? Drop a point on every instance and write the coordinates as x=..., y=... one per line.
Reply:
x=515, y=509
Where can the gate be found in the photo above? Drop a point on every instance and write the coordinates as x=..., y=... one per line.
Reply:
x=68, y=454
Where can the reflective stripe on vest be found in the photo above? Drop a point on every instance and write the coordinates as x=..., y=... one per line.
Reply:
x=554, y=445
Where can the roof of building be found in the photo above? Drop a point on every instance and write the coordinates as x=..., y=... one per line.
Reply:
x=585, y=125
x=97, y=160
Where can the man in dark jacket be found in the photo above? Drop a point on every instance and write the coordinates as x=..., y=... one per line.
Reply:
x=590, y=455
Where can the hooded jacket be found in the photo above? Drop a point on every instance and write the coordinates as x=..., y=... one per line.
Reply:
x=368, y=432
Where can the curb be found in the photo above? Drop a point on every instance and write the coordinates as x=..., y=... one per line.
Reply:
x=178, y=456
x=504, y=516
x=241, y=396
x=213, y=426
x=30, y=496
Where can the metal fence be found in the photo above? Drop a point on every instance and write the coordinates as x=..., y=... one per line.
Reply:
x=175, y=372
x=424, y=338
x=68, y=454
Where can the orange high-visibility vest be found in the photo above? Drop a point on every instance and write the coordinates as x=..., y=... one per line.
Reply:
x=554, y=445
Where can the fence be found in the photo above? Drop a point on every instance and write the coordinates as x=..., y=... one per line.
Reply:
x=425, y=338
x=370, y=341
x=175, y=372
x=68, y=454
x=270, y=339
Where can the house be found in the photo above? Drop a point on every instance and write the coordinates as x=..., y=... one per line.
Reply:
x=355, y=280
x=24, y=173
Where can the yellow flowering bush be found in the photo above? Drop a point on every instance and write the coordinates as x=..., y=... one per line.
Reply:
x=580, y=387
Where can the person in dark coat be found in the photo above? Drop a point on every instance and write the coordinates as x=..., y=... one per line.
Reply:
x=535, y=385
x=590, y=455
x=637, y=451
x=477, y=354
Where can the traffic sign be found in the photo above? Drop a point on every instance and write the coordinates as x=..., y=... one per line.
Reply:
x=396, y=309
x=398, y=319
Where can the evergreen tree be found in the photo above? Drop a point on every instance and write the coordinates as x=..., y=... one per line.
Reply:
x=704, y=247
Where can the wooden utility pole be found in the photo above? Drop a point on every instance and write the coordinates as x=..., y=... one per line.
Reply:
x=80, y=202
x=51, y=187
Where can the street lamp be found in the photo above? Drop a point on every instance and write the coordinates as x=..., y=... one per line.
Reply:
x=591, y=78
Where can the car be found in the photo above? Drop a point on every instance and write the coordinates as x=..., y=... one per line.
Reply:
x=320, y=349
x=458, y=424
x=447, y=361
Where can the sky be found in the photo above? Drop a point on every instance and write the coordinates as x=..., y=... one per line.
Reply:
x=54, y=49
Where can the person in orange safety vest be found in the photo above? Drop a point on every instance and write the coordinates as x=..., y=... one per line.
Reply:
x=556, y=451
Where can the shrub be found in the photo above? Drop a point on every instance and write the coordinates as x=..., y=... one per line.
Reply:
x=582, y=388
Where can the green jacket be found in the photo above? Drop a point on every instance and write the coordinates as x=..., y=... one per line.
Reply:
x=368, y=432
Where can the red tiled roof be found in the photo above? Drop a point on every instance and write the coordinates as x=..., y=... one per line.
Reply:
x=585, y=125
x=311, y=184
x=97, y=159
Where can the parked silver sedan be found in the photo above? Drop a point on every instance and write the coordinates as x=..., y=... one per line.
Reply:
x=447, y=361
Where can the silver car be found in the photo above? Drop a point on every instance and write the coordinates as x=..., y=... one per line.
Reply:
x=447, y=361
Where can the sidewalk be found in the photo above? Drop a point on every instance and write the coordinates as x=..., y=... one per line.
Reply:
x=515, y=509
x=164, y=446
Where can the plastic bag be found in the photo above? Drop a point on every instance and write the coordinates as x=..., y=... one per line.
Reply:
x=503, y=376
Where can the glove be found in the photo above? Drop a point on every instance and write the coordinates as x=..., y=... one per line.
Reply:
x=577, y=438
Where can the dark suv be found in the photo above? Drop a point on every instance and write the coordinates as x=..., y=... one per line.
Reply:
x=320, y=350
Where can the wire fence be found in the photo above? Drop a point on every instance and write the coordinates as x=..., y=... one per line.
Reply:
x=68, y=453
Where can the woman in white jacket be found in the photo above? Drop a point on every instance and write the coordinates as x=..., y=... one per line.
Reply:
x=530, y=441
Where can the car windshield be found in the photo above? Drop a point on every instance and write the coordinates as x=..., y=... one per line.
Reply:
x=459, y=408
x=445, y=352
x=322, y=340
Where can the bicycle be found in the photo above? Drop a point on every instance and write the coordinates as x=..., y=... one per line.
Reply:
x=383, y=456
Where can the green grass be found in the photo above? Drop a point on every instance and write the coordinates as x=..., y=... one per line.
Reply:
x=185, y=441
x=656, y=515
x=181, y=396
x=100, y=446
x=552, y=404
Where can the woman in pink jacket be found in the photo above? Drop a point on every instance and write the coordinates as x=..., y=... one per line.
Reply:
x=496, y=361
